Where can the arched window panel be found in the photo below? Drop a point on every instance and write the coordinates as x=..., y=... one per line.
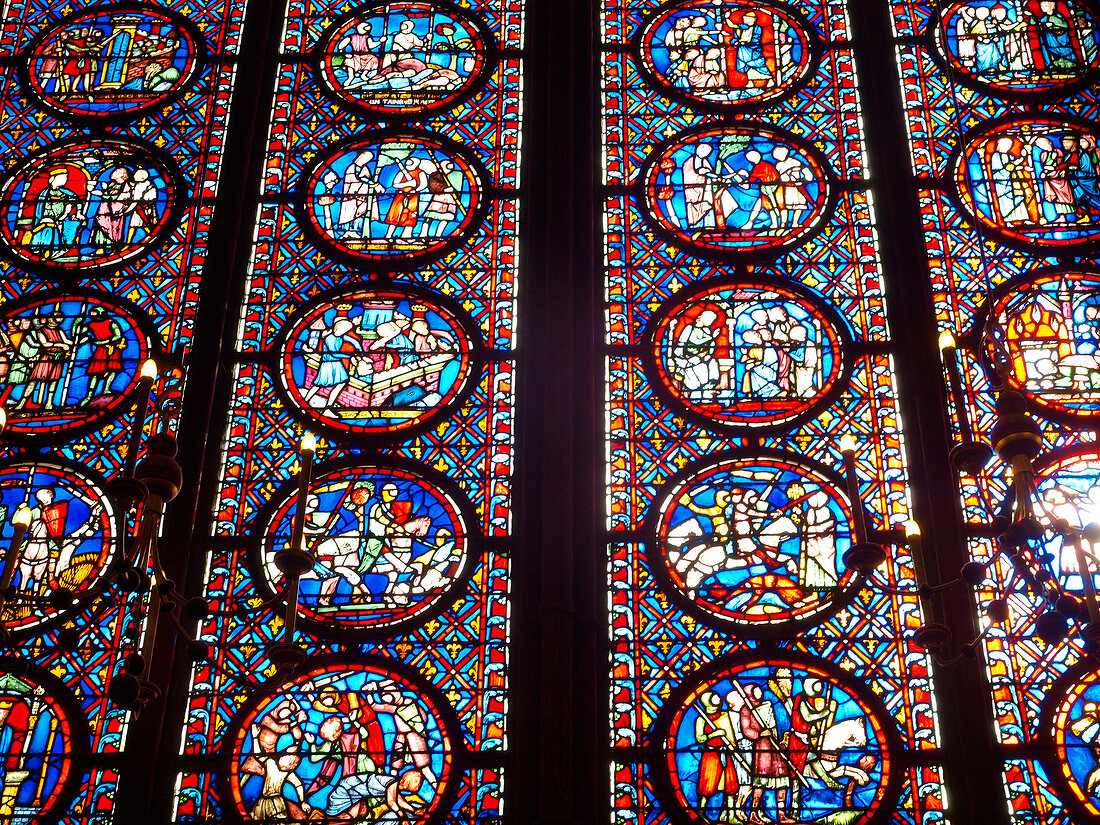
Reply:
x=111, y=166
x=1001, y=107
x=378, y=314
x=705, y=109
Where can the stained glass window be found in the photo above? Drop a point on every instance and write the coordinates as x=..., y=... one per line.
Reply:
x=415, y=572
x=1006, y=196
x=746, y=337
x=377, y=314
x=112, y=127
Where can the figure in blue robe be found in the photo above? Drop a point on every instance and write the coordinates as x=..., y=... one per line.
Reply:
x=57, y=215
x=1086, y=187
x=989, y=45
x=750, y=48
x=1054, y=35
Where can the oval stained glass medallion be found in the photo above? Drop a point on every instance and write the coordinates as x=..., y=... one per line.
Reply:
x=393, y=197
x=1018, y=46
x=389, y=545
x=375, y=361
x=1034, y=181
x=777, y=740
x=747, y=355
x=38, y=737
x=86, y=205
x=67, y=360
x=728, y=54
x=1047, y=333
x=111, y=63
x=1071, y=717
x=399, y=58
x=756, y=542
x=736, y=189
x=68, y=544
x=1069, y=488
x=340, y=742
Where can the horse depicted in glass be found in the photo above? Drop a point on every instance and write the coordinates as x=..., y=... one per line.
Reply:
x=777, y=742
x=91, y=204
x=747, y=355
x=756, y=541
x=67, y=361
x=375, y=361
x=388, y=199
x=402, y=57
x=1046, y=335
x=68, y=543
x=736, y=188
x=728, y=54
x=1021, y=46
x=1033, y=180
x=340, y=744
x=109, y=63
x=388, y=543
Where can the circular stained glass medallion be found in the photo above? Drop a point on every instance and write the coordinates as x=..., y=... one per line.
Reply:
x=357, y=742
x=736, y=189
x=375, y=361
x=1047, y=331
x=1071, y=717
x=728, y=54
x=86, y=205
x=1069, y=488
x=755, y=541
x=1034, y=181
x=389, y=545
x=393, y=197
x=748, y=355
x=68, y=360
x=400, y=58
x=777, y=740
x=111, y=63
x=1020, y=46
x=69, y=541
x=40, y=731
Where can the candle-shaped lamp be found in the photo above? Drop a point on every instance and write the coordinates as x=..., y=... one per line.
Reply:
x=971, y=454
x=933, y=635
x=20, y=522
x=141, y=410
x=296, y=560
x=929, y=601
x=848, y=450
x=954, y=377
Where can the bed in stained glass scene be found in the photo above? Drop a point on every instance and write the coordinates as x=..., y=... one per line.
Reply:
x=375, y=360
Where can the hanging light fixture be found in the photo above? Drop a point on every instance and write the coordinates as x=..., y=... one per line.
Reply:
x=143, y=489
x=293, y=562
x=1020, y=533
x=864, y=555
